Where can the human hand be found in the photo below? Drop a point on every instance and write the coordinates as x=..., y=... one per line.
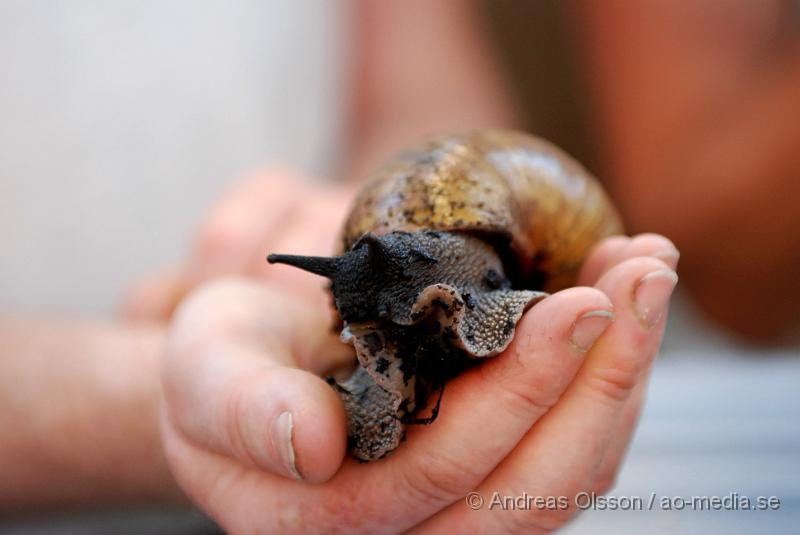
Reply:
x=274, y=209
x=246, y=414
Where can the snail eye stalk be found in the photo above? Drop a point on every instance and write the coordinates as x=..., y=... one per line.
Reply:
x=325, y=266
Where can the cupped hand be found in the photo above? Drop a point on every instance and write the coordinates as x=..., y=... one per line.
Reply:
x=257, y=439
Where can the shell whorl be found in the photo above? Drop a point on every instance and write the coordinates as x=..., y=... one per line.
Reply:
x=536, y=204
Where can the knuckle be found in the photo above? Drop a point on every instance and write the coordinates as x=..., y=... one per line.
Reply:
x=216, y=237
x=435, y=480
x=654, y=240
x=209, y=312
x=605, y=482
x=521, y=393
x=234, y=420
x=525, y=400
x=526, y=522
x=614, y=383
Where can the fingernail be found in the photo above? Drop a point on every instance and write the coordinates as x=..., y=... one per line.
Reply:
x=669, y=256
x=281, y=437
x=652, y=293
x=588, y=328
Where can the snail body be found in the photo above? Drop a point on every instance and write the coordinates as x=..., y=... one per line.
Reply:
x=444, y=249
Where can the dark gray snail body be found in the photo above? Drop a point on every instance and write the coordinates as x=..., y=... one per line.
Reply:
x=444, y=249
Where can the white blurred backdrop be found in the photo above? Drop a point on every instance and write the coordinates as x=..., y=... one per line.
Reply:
x=120, y=121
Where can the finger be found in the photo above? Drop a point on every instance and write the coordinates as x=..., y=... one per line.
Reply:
x=606, y=476
x=243, y=219
x=154, y=296
x=617, y=249
x=488, y=409
x=313, y=230
x=596, y=262
x=273, y=211
x=648, y=244
x=232, y=381
x=239, y=499
x=224, y=243
x=562, y=453
x=641, y=245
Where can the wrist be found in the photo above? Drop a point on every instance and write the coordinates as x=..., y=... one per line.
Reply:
x=82, y=400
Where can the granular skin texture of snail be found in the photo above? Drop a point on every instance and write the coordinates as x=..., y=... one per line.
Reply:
x=443, y=251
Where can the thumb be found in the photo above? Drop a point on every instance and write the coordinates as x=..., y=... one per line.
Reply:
x=232, y=382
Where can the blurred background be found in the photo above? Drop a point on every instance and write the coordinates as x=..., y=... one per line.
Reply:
x=122, y=122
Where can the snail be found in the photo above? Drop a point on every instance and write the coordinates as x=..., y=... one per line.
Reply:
x=444, y=249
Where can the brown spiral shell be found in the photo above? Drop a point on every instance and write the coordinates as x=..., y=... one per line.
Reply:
x=536, y=204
